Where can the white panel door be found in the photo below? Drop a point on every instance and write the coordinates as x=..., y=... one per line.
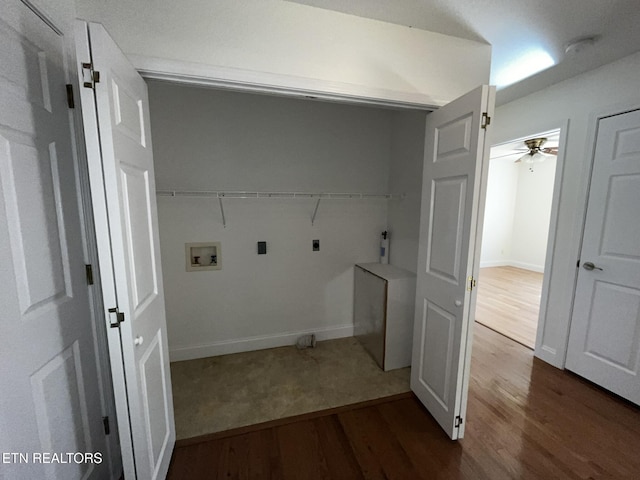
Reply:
x=454, y=182
x=49, y=399
x=123, y=193
x=604, y=343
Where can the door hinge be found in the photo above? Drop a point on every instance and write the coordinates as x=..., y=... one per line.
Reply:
x=105, y=423
x=486, y=120
x=89, y=271
x=116, y=317
x=471, y=283
x=70, y=100
x=89, y=76
x=458, y=421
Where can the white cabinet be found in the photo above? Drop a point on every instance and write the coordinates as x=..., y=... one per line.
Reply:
x=383, y=312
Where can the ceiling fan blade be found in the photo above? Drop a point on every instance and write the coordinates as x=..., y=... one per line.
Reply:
x=505, y=155
x=550, y=150
x=515, y=151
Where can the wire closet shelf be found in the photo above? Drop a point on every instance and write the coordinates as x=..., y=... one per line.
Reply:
x=220, y=195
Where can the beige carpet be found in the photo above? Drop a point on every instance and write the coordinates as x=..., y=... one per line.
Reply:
x=218, y=393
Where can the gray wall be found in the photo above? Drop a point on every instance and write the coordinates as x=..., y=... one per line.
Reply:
x=211, y=139
x=405, y=177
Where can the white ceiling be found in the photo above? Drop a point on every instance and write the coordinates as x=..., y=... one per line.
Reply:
x=515, y=28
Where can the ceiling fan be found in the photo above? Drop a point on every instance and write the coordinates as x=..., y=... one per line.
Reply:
x=536, y=153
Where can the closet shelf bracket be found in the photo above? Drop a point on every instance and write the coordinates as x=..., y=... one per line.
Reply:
x=224, y=220
x=315, y=211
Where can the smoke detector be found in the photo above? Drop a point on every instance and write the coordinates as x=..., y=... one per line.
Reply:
x=577, y=45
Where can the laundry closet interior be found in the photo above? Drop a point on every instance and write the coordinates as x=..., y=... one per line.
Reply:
x=234, y=169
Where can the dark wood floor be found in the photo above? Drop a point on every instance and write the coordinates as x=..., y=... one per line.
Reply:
x=525, y=419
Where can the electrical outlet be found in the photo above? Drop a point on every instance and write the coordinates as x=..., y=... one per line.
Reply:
x=316, y=245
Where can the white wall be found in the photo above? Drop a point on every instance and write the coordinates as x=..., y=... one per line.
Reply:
x=297, y=43
x=612, y=87
x=517, y=214
x=532, y=214
x=215, y=140
x=405, y=177
x=502, y=188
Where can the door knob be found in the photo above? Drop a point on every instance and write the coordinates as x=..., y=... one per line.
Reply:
x=590, y=266
x=458, y=303
x=138, y=341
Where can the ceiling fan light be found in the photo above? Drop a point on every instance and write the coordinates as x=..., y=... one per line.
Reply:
x=539, y=157
x=533, y=157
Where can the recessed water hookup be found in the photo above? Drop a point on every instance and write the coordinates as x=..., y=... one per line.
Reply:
x=203, y=256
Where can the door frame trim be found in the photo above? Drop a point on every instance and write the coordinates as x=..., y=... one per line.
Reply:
x=45, y=16
x=227, y=78
x=542, y=351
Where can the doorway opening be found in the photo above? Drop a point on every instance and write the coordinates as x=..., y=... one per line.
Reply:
x=516, y=232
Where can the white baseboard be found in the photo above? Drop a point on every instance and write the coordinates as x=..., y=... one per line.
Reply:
x=513, y=263
x=494, y=263
x=528, y=266
x=248, y=344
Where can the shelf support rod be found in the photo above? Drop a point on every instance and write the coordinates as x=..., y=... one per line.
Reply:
x=315, y=211
x=224, y=220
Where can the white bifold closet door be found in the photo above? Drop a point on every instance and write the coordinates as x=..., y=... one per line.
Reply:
x=50, y=397
x=115, y=111
x=453, y=193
